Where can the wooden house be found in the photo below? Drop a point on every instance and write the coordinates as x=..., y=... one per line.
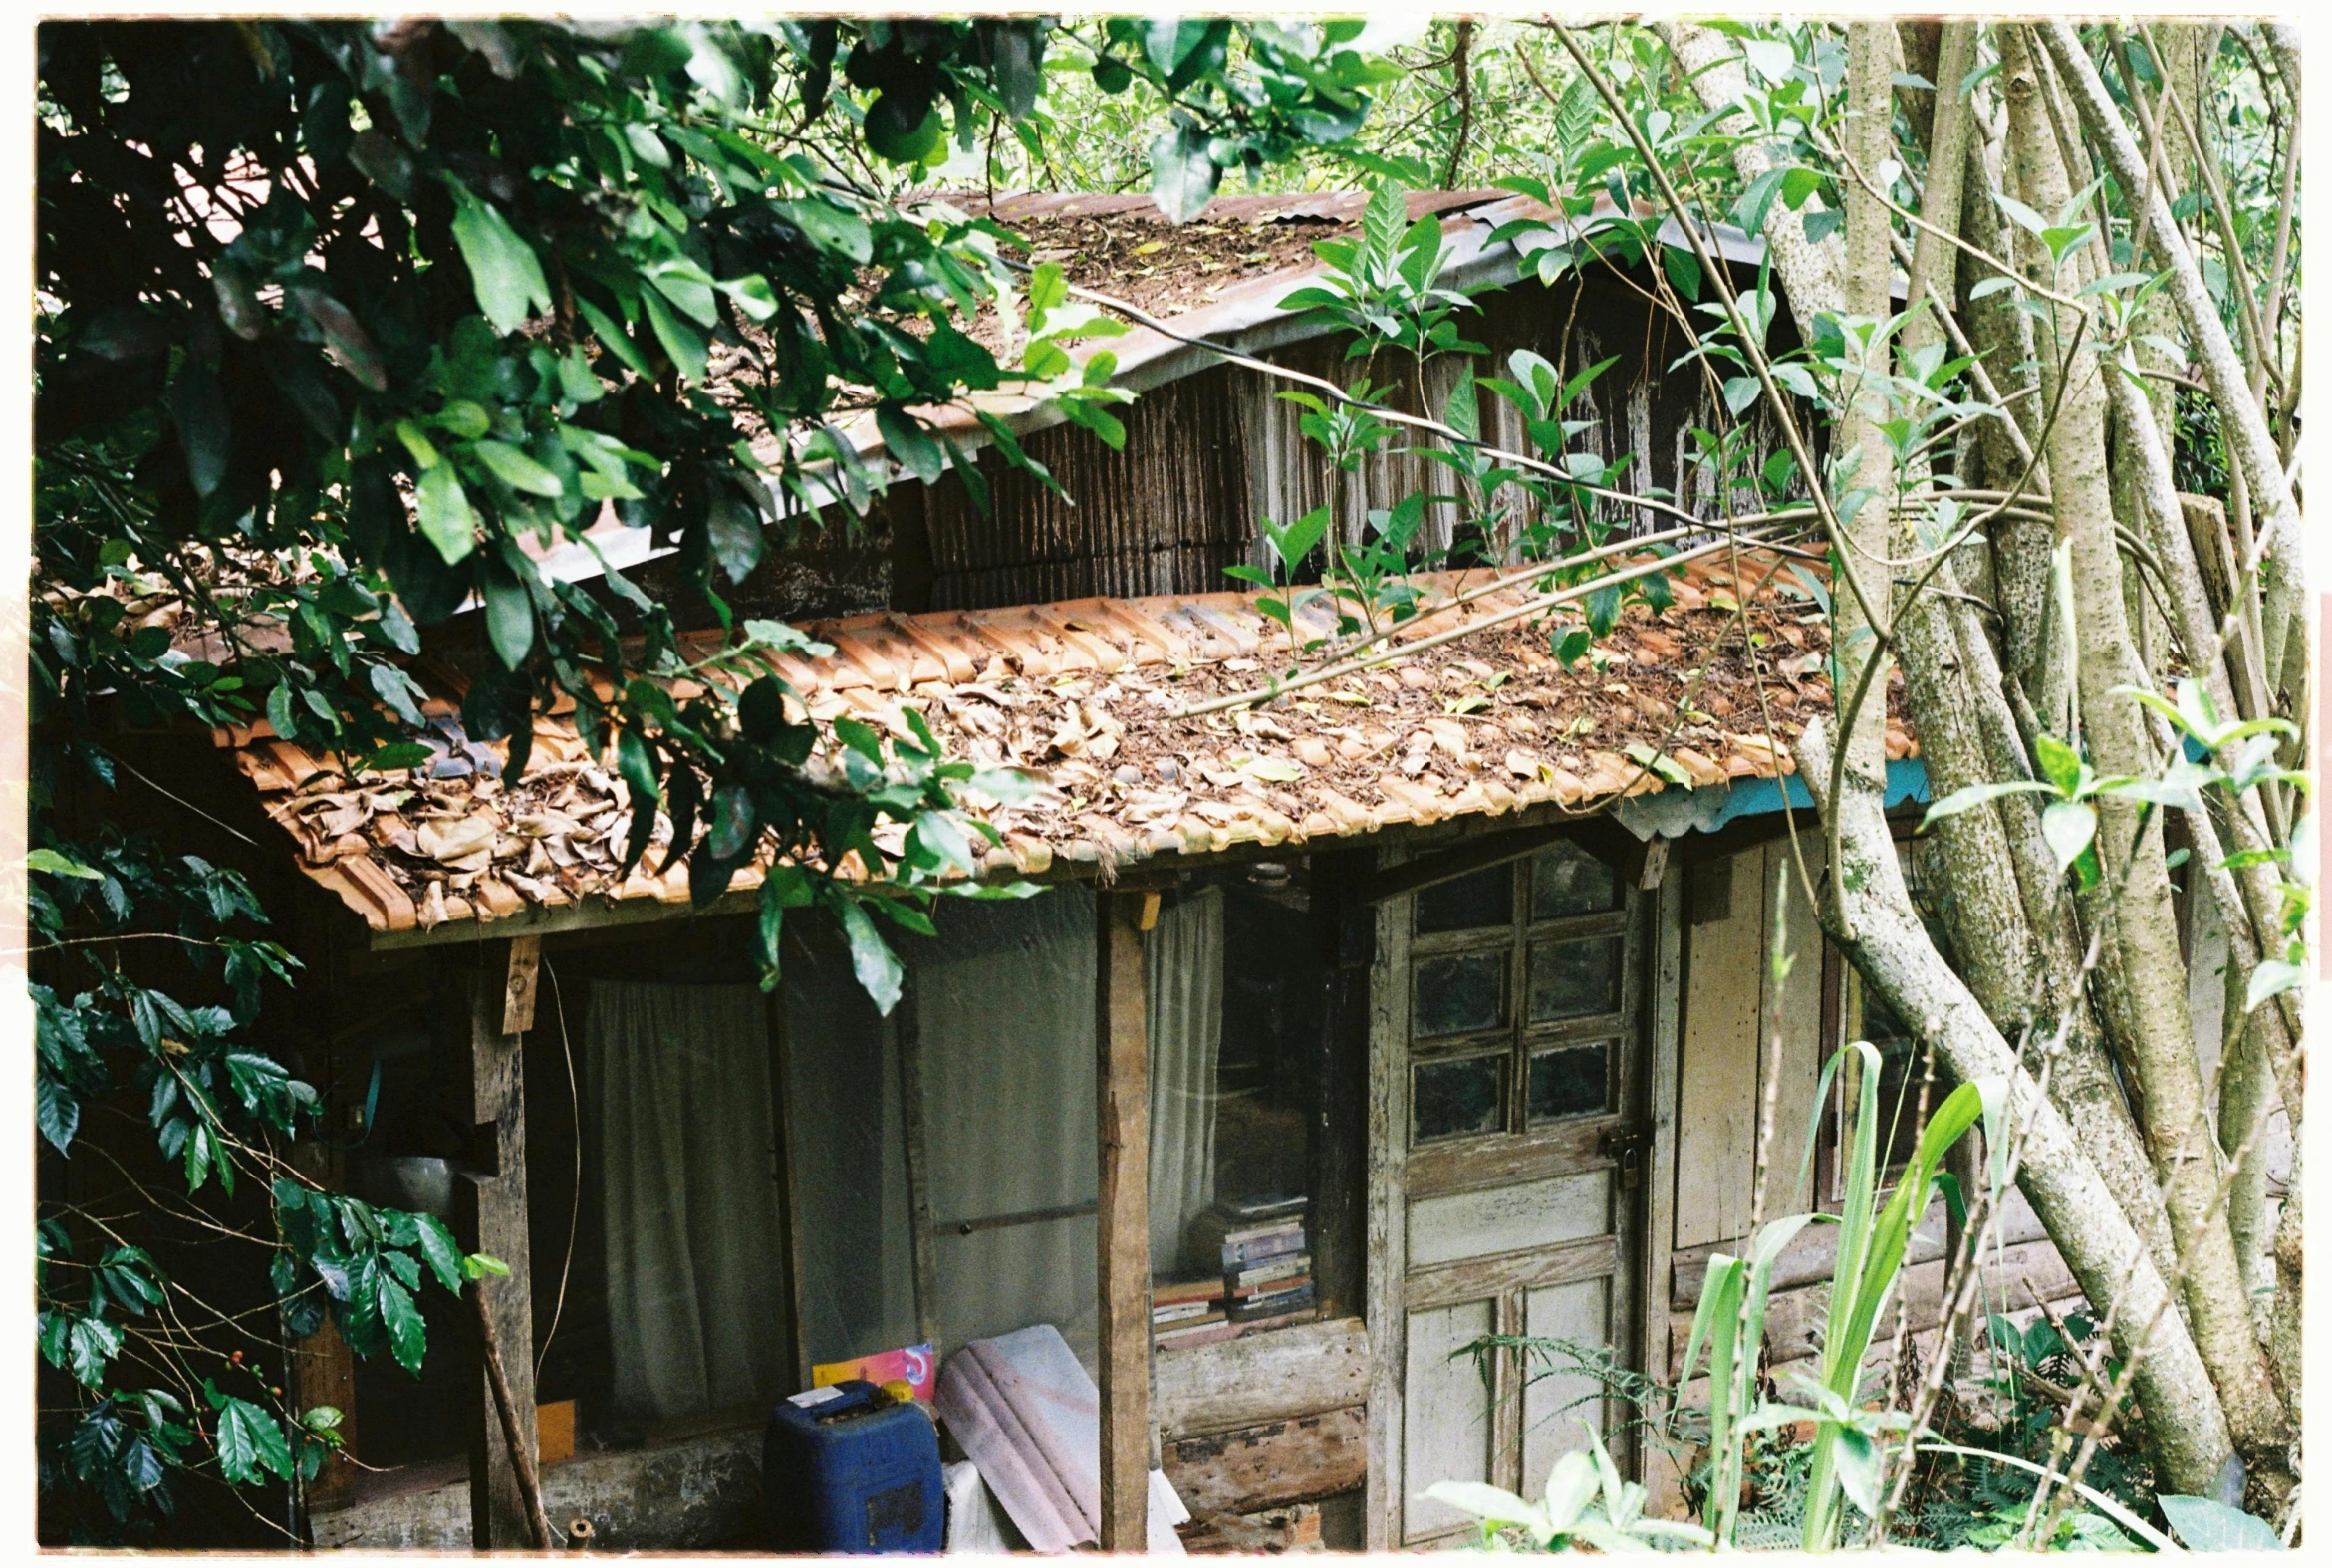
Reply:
x=1470, y=953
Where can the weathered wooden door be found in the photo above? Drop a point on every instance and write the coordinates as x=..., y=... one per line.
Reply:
x=1509, y=1158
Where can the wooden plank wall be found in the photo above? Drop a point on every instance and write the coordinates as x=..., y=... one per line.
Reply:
x=1729, y=1066
x=1727, y=1070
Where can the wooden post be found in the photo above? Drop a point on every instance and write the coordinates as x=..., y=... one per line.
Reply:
x=922, y=1237
x=323, y=1368
x=1388, y=1213
x=324, y=1372
x=492, y=1219
x=1121, y=995
x=1665, y=1048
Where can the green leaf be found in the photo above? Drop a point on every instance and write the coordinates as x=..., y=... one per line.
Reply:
x=510, y=624
x=2270, y=979
x=1974, y=795
x=443, y=507
x=1183, y=177
x=1291, y=544
x=909, y=442
x=503, y=268
x=395, y=688
x=861, y=737
x=904, y=128
x=55, y=865
x=871, y=959
x=683, y=342
x=2068, y=826
x=618, y=341
x=1006, y=786
x=1858, y=1470
x=1771, y=58
x=438, y=1251
x=2059, y=763
x=2023, y=216
x=517, y=470
x=57, y=1111
x=407, y=1336
x=198, y=407
x=733, y=528
x=734, y=822
x=830, y=226
x=250, y=1442
x=2204, y=1524
x=638, y=765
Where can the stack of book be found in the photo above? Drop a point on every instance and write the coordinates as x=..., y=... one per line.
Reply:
x=1187, y=1312
x=1266, y=1261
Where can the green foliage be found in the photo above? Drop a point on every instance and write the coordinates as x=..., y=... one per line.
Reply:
x=334, y=318
x=1587, y=1504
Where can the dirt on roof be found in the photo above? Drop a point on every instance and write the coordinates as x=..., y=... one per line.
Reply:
x=1124, y=247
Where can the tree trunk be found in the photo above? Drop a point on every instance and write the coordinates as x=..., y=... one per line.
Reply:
x=2185, y=1427
x=2144, y=991
x=1811, y=271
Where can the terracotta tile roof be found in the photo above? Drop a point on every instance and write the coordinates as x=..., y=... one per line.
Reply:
x=1084, y=694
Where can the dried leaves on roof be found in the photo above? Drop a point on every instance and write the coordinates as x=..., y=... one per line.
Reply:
x=1085, y=695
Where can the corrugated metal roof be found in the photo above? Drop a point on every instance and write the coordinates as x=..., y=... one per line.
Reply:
x=1085, y=694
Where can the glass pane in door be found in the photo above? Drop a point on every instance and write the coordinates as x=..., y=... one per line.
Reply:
x=1566, y=880
x=1574, y=979
x=1467, y=903
x=1459, y=994
x=1570, y=1079
x=1450, y=1099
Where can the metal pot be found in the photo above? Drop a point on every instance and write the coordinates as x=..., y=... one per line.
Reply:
x=421, y=1183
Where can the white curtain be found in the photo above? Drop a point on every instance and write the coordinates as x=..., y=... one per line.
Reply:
x=1004, y=1016
x=679, y=1104
x=1185, y=960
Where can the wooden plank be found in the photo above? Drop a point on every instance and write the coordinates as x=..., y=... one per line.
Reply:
x=1810, y=1258
x=1802, y=1043
x=1660, y=1198
x=492, y=1218
x=1120, y=1037
x=1346, y=933
x=1530, y=1268
x=1447, y=1423
x=1300, y=1370
x=1299, y=1459
x=2021, y=1276
x=1552, y=1406
x=1466, y=1165
x=324, y=1372
x=518, y=988
x=1718, y=1085
x=922, y=1238
x=1506, y=1395
x=1388, y=1153
x=1546, y=1212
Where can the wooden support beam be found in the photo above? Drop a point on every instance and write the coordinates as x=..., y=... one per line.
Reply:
x=922, y=1236
x=1121, y=1035
x=324, y=1372
x=491, y=1218
x=1599, y=836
